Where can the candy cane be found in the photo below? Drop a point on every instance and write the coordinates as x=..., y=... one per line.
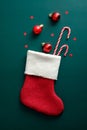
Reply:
x=67, y=48
x=60, y=36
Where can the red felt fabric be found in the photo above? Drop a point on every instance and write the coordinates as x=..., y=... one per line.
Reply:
x=38, y=93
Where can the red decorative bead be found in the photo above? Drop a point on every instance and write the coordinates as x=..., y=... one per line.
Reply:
x=52, y=34
x=26, y=46
x=47, y=47
x=31, y=17
x=70, y=54
x=55, y=16
x=25, y=33
x=74, y=38
x=66, y=12
x=37, y=29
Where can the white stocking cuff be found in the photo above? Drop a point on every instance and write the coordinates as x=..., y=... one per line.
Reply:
x=41, y=64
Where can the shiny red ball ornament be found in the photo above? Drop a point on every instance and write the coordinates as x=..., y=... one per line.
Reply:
x=47, y=47
x=55, y=16
x=37, y=29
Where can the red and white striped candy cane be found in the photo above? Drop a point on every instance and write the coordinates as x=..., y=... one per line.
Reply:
x=63, y=46
x=60, y=36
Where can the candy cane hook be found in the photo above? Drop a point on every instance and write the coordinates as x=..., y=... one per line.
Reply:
x=63, y=46
x=60, y=36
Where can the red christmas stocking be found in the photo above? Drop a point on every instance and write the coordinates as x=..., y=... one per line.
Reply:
x=38, y=90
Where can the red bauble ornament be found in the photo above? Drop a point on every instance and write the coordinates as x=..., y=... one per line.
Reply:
x=47, y=47
x=55, y=16
x=37, y=29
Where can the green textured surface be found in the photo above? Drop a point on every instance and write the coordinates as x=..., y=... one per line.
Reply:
x=71, y=85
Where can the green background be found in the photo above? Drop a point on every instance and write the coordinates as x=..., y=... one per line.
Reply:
x=71, y=85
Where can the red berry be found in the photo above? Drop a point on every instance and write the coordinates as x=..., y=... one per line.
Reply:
x=37, y=29
x=47, y=47
x=55, y=16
